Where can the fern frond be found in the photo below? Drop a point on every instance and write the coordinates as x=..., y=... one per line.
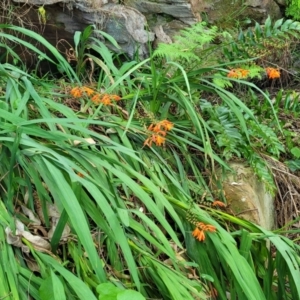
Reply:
x=267, y=138
x=188, y=44
x=175, y=51
x=262, y=170
x=197, y=36
x=224, y=126
x=221, y=81
x=254, y=71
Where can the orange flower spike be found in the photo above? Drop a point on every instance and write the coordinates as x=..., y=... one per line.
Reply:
x=159, y=140
x=200, y=225
x=167, y=125
x=96, y=99
x=151, y=126
x=156, y=128
x=206, y=227
x=106, y=100
x=218, y=203
x=87, y=90
x=115, y=97
x=273, y=73
x=76, y=92
x=209, y=228
x=232, y=74
x=238, y=73
x=160, y=132
x=244, y=73
x=198, y=234
x=148, y=142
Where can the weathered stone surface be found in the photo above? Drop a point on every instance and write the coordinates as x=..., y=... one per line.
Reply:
x=39, y=2
x=247, y=196
x=181, y=10
x=257, y=10
x=125, y=24
x=224, y=13
x=281, y=2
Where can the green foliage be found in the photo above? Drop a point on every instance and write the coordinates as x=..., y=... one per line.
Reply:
x=270, y=44
x=131, y=209
x=293, y=9
x=190, y=45
x=252, y=71
x=108, y=291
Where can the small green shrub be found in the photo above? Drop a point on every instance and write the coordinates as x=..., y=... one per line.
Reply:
x=293, y=9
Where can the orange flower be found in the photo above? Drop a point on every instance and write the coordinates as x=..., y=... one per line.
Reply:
x=154, y=128
x=209, y=228
x=87, y=90
x=161, y=126
x=115, y=97
x=238, y=73
x=156, y=138
x=244, y=73
x=272, y=73
x=232, y=74
x=96, y=99
x=148, y=142
x=206, y=227
x=218, y=203
x=106, y=99
x=151, y=127
x=160, y=129
x=166, y=124
x=76, y=92
x=159, y=140
x=161, y=132
x=198, y=234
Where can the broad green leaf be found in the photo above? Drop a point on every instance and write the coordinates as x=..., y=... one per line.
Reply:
x=52, y=288
x=79, y=287
x=130, y=295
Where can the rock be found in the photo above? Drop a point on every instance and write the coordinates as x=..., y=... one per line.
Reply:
x=40, y=2
x=232, y=11
x=125, y=24
x=181, y=10
x=281, y=2
x=161, y=36
x=247, y=196
x=224, y=13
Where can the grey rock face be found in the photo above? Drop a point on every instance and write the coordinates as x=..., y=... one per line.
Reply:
x=181, y=10
x=127, y=23
x=40, y=2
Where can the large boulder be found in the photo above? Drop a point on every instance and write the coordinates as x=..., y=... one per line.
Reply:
x=247, y=197
x=127, y=22
x=222, y=12
x=63, y=18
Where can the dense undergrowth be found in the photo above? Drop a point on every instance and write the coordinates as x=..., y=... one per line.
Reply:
x=106, y=171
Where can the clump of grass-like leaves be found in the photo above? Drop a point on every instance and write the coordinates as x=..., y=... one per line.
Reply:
x=101, y=187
